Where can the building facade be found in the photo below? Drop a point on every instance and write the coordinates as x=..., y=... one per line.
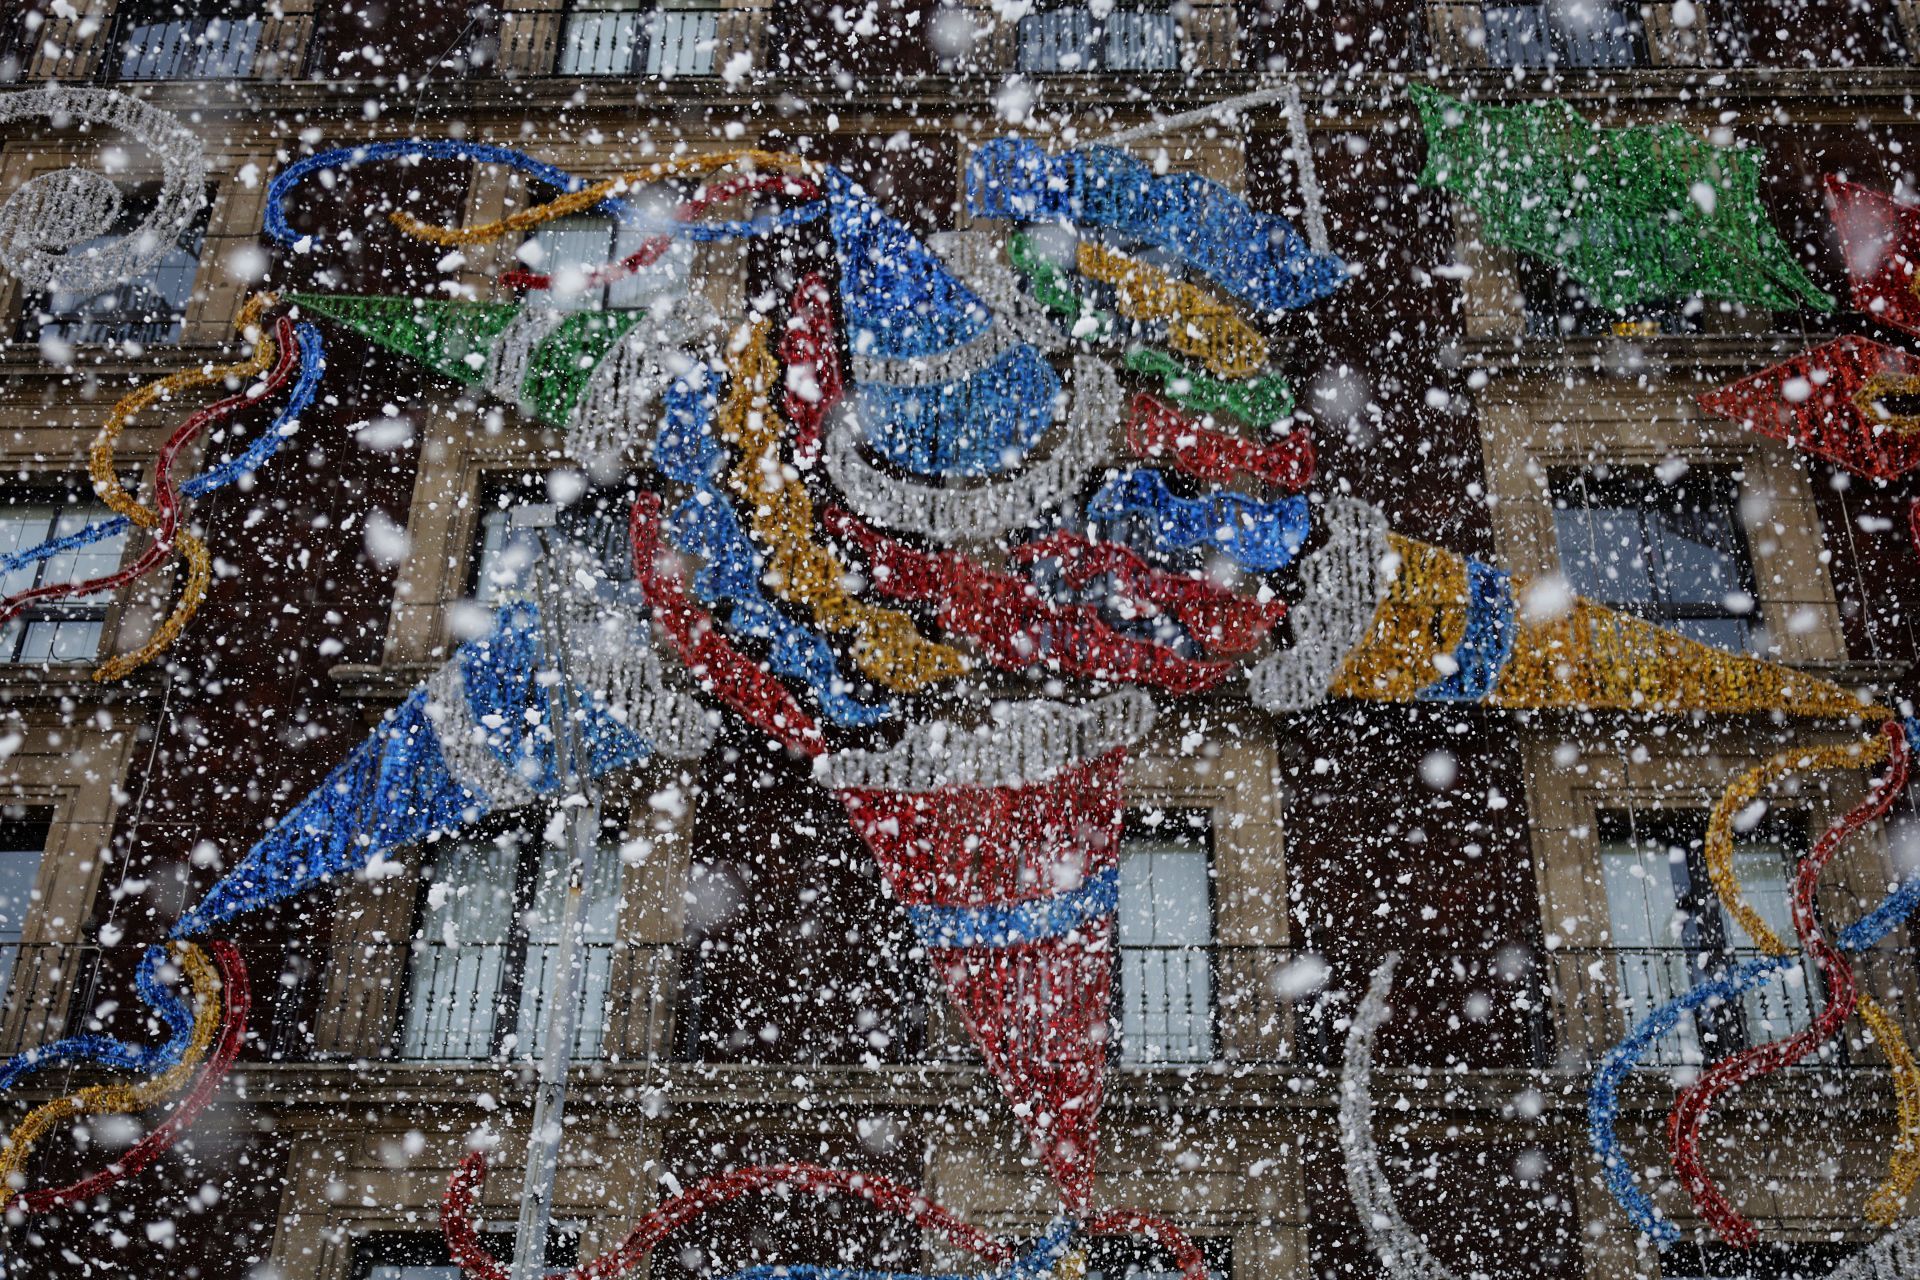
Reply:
x=751, y=994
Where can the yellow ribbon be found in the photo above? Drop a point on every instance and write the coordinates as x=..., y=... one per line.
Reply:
x=126, y=1099
x=1884, y=1206
x=587, y=197
x=1200, y=323
x=106, y=480
x=799, y=570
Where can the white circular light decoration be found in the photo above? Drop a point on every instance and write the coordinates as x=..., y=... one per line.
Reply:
x=47, y=221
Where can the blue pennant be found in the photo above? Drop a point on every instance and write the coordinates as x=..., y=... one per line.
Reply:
x=1487, y=642
x=1259, y=535
x=1255, y=256
x=975, y=427
x=898, y=300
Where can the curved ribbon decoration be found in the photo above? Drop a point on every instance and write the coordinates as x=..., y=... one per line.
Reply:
x=110, y=1052
x=1690, y=1110
x=221, y=1002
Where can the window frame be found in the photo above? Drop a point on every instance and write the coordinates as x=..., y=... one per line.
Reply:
x=1138, y=826
x=1615, y=491
x=101, y=607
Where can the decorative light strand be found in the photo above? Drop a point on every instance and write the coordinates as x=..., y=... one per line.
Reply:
x=995, y=506
x=1341, y=586
x=1001, y=612
x=975, y=259
x=1156, y=431
x=1023, y=743
x=1199, y=324
x=1259, y=535
x=45, y=225
x=1258, y=402
x=811, y=354
x=885, y=644
x=1218, y=620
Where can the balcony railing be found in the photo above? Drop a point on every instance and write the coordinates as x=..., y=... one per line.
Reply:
x=1056, y=41
x=1599, y=994
x=1173, y=1006
x=1581, y=33
x=187, y=49
x=662, y=42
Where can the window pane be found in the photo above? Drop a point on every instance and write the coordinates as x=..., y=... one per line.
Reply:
x=1165, y=953
x=459, y=959
x=1603, y=552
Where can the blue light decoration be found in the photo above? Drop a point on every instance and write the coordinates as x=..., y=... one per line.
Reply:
x=972, y=427
x=1487, y=642
x=1259, y=535
x=1255, y=256
x=106, y=1051
x=627, y=213
x=312, y=365
x=707, y=526
x=1603, y=1094
x=396, y=787
x=901, y=304
x=1054, y=916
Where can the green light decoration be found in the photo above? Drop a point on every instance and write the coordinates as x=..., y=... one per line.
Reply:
x=1633, y=215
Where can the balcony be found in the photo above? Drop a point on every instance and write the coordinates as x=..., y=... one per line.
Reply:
x=187, y=49
x=626, y=41
x=1064, y=41
x=1598, y=994
x=146, y=42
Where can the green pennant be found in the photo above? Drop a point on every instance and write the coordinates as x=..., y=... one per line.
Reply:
x=1633, y=215
x=452, y=338
x=565, y=359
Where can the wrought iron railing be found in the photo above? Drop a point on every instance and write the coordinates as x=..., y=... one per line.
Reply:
x=1070, y=39
x=658, y=42
x=216, y=48
x=1591, y=34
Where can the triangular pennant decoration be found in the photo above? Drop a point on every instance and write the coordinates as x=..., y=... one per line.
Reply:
x=1013, y=891
x=1881, y=242
x=1854, y=402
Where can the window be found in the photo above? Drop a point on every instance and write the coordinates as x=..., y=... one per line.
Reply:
x=421, y=1255
x=1563, y=33
x=24, y=832
x=150, y=309
x=57, y=631
x=1762, y=1262
x=502, y=555
x=1669, y=931
x=1073, y=38
x=483, y=961
x=1134, y=1258
x=636, y=37
x=1165, y=951
x=185, y=40
x=1666, y=548
x=569, y=249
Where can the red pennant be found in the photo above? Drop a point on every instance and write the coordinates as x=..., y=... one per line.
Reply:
x=1036, y=996
x=1881, y=241
x=1851, y=402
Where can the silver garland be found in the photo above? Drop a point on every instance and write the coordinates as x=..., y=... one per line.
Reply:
x=977, y=261
x=1403, y=1254
x=45, y=224
x=465, y=743
x=609, y=657
x=1022, y=744
x=1342, y=583
x=614, y=409
x=992, y=507
x=952, y=365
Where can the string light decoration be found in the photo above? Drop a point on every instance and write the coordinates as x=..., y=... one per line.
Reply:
x=230, y=991
x=1633, y=215
x=1155, y=431
x=1018, y=630
x=106, y=1051
x=976, y=260
x=461, y=746
x=1690, y=1110
x=1258, y=402
x=999, y=504
x=1255, y=256
x=1341, y=585
x=1880, y=240
x=886, y=647
x=1199, y=324
x=1216, y=619
x=1839, y=401
x=1014, y=888
x=814, y=383
x=1260, y=535
x=50, y=228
